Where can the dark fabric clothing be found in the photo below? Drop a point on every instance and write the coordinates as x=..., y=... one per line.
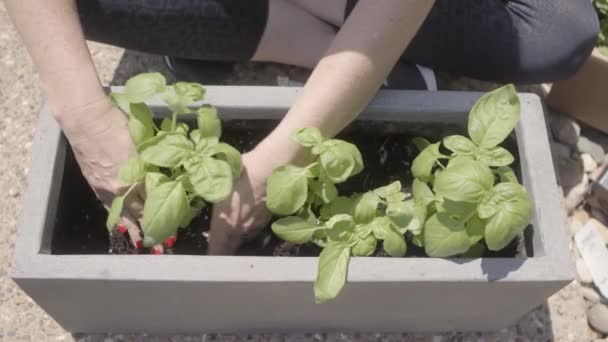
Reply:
x=521, y=41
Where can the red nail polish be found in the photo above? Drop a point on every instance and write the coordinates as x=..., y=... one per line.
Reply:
x=139, y=245
x=170, y=242
x=157, y=251
x=122, y=229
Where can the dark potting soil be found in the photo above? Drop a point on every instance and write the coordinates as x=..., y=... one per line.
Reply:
x=80, y=220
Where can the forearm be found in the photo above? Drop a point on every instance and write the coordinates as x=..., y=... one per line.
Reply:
x=52, y=33
x=353, y=69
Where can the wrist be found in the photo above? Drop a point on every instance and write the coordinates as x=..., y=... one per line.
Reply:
x=75, y=117
x=279, y=148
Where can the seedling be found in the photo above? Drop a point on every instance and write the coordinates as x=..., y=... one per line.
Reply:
x=455, y=202
x=342, y=226
x=180, y=169
x=475, y=194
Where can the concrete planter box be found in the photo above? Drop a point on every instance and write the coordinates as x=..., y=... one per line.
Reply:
x=116, y=293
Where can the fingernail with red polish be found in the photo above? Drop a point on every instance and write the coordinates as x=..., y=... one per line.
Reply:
x=122, y=229
x=157, y=251
x=170, y=242
x=139, y=245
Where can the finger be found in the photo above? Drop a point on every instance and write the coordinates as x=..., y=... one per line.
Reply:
x=222, y=239
x=130, y=224
x=158, y=249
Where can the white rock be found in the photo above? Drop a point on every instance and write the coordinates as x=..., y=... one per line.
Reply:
x=598, y=317
x=574, y=225
x=565, y=129
x=584, y=275
x=589, y=165
x=576, y=195
x=590, y=294
x=601, y=228
x=586, y=145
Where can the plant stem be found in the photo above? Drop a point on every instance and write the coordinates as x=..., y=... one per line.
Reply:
x=173, y=121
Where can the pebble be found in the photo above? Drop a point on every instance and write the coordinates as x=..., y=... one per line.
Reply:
x=584, y=275
x=590, y=294
x=574, y=225
x=581, y=215
x=13, y=192
x=570, y=172
x=598, y=317
x=565, y=129
x=601, y=228
x=576, y=195
x=589, y=164
x=585, y=145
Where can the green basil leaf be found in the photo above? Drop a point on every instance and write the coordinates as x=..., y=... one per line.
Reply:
x=140, y=123
x=393, y=241
x=209, y=123
x=326, y=191
x=422, y=166
x=388, y=190
x=365, y=246
x=164, y=210
x=341, y=228
x=211, y=178
x=418, y=240
x=294, y=229
x=475, y=227
x=195, y=208
x=114, y=212
x=445, y=236
x=309, y=137
x=132, y=171
x=286, y=190
x=494, y=116
x=398, y=197
x=153, y=180
x=121, y=101
x=506, y=174
x=181, y=95
x=420, y=143
x=340, y=160
x=333, y=268
x=466, y=182
x=307, y=214
x=204, y=144
x=166, y=125
x=191, y=91
x=460, y=145
x=421, y=192
x=476, y=251
x=416, y=224
x=365, y=207
x=496, y=156
x=195, y=136
x=400, y=213
x=512, y=215
x=341, y=205
x=458, y=210
x=141, y=87
x=182, y=128
x=167, y=150
x=459, y=159
x=228, y=154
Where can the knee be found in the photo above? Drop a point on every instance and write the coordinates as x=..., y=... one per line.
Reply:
x=565, y=43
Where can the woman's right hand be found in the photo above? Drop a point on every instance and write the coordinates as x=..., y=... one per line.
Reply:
x=101, y=143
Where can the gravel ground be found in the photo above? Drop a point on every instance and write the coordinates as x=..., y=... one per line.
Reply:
x=562, y=318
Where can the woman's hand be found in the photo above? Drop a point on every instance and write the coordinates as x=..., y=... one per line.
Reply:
x=101, y=143
x=243, y=215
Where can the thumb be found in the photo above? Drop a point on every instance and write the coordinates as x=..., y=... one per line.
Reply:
x=223, y=238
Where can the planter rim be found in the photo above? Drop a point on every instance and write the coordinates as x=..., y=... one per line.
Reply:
x=32, y=258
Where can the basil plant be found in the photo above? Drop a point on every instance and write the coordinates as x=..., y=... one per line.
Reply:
x=472, y=194
x=314, y=212
x=180, y=168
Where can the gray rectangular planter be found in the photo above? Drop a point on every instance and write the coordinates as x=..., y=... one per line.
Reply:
x=179, y=293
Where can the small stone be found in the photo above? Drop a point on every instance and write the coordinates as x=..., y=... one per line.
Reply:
x=570, y=172
x=584, y=275
x=601, y=228
x=589, y=165
x=574, y=225
x=581, y=215
x=585, y=145
x=576, y=195
x=565, y=129
x=13, y=192
x=590, y=295
x=598, y=317
x=560, y=151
